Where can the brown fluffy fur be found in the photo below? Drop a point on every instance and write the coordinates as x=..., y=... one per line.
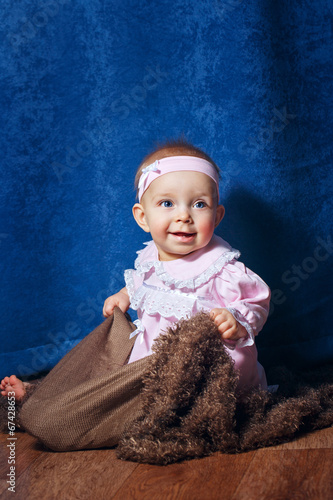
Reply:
x=191, y=406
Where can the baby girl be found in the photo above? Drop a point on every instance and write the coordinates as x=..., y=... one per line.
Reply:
x=186, y=268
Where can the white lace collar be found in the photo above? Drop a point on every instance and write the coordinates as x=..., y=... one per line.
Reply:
x=191, y=271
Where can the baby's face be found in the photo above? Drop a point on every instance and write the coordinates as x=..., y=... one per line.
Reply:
x=181, y=211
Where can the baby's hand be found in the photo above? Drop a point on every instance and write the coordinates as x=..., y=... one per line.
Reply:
x=120, y=299
x=229, y=328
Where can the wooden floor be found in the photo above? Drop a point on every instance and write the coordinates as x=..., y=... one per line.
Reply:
x=302, y=469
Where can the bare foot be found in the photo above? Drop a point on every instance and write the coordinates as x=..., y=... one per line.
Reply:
x=13, y=384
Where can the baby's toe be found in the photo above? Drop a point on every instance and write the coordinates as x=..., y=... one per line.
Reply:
x=4, y=382
x=13, y=380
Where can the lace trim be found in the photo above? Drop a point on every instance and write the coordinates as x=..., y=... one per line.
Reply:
x=166, y=303
x=192, y=283
x=249, y=340
x=129, y=281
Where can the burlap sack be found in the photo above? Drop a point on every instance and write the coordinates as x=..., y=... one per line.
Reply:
x=91, y=396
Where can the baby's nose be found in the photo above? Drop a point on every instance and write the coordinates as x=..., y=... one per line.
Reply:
x=184, y=216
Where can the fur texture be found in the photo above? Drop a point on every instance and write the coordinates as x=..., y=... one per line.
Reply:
x=191, y=406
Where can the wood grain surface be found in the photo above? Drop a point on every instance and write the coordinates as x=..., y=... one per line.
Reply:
x=301, y=469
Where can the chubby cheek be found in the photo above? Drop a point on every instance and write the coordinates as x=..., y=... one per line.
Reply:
x=205, y=226
x=158, y=228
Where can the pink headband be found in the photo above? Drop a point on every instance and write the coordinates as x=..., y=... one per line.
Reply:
x=175, y=164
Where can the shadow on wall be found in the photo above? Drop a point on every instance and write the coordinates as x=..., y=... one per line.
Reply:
x=295, y=267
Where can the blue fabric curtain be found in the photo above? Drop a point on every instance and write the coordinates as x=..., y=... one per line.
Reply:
x=88, y=88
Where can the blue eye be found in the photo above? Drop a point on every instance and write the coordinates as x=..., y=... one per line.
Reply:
x=200, y=204
x=166, y=203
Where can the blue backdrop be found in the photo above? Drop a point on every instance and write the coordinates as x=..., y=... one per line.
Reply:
x=88, y=87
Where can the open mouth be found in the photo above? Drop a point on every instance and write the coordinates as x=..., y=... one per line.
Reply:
x=186, y=237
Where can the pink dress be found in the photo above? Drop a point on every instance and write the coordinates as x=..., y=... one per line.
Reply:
x=163, y=292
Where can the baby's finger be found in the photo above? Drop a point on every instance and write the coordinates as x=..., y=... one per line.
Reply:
x=229, y=334
x=219, y=319
x=107, y=309
x=107, y=312
x=222, y=324
x=214, y=313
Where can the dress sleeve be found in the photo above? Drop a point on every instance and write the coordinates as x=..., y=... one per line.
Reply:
x=246, y=296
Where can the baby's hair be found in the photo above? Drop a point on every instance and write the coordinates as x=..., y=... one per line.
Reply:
x=172, y=147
